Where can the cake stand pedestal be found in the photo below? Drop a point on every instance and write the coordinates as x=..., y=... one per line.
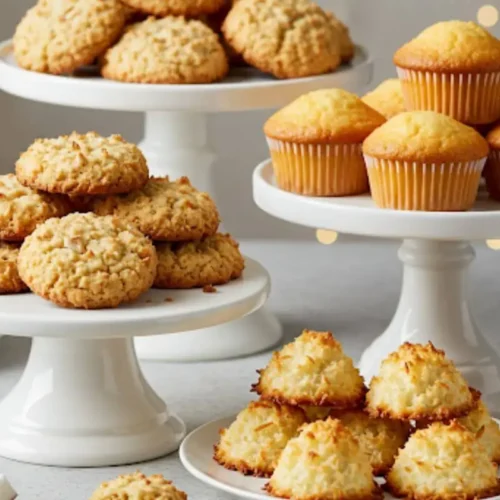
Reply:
x=435, y=254
x=82, y=399
x=175, y=143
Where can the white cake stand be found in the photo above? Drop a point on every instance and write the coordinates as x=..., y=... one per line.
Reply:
x=82, y=399
x=175, y=143
x=435, y=253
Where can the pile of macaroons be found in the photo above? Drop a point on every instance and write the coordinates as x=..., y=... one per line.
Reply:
x=318, y=433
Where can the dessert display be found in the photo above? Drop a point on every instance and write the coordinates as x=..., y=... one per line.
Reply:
x=386, y=98
x=315, y=143
x=492, y=167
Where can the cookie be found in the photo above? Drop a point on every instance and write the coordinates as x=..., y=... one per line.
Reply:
x=60, y=36
x=10, y=282
x=23, y=208
x=287, y=38
x=347, y=47
x=87, y=262
x=83, y=164
x=138, y=486
x=212, y=261
x=188, y=8
x=165, y=210
x=169, y=50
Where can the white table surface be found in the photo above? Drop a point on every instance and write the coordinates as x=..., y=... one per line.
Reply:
x=349, y=288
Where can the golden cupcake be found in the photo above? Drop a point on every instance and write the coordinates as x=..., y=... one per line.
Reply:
x=422, y=160
x=253, y=443
x=453, y=68
x=379, y=438
x=418, y=382
x=492, y=168
x=315, y=143
x=313, y=371
x=324, y=462
x=387, y=98
x=445, y=462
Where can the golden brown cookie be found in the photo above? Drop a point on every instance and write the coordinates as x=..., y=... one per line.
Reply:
x=10, y=282
x=169, y=50
x=88, y=262
x=287, y=38
x=23, y=208
x=347, y=47
x=188, y=8
x=83, y=164
x=214, y=260
x=165, y=210
x=60, y=36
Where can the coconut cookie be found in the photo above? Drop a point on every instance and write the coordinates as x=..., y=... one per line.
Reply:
x=23, y=208
x=314, y=371
x=10, y=282
x=165, y=210
x=88, y=262
x=253, y=443
x=60, y=36
x=214, y=260
x=83, y=164
x=347, y=47
x=138, y=486
x=188, y=8
x=170, y=50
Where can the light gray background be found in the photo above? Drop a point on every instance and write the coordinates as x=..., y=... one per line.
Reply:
x=380, y=25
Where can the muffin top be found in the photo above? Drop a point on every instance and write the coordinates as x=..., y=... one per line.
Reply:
x=425, y=136
x=387, y=98
x=324, y=116
x=493, y=137
x=451, y=47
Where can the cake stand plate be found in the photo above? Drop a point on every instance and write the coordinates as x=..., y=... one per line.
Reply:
x=82, y=399
x=175, y=143
x=435, y=253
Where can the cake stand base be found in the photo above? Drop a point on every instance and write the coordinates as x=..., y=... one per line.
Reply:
x=433, y=307
x=82, y=403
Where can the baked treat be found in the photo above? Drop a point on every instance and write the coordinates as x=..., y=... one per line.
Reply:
x=187, y=8
x=10, y=282
x=453, y=68
x=58, y=37
x=315, y=143
x=87, y=262
x=138, y=486
x=347, y=47
x=169, y=50
x=492, y=168
x=313, y=371
x=23, y=208
x=287, y=38
x=165, y=210
x=445, y=462
x=418, y=382
x=214, y=260
x=253, y=443
x=324, y=462
x=316, y=412
x=387, y=98
x=83, y=164
x=423, y=160
x=379, y=438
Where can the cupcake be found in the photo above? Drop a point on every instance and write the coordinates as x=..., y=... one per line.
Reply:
x=453, y=68
x=387, y=98
x=492, y=168
x=315, y=143
x=422, y=160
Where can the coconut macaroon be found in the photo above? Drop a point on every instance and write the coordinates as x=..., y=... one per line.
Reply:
x=314, y=371
x=379, y=438
x=446, y=462
x=418, y=382
x=323, y=462
x=253, y=443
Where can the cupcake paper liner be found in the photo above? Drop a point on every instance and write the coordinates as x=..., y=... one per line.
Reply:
x=405, y=185
x=469, y=98
x=319, y=169
x=492, y=174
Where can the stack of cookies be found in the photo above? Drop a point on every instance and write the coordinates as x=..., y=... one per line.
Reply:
x=181, y=41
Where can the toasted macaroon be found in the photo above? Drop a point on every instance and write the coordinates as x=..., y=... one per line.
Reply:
x=316, y=412
x=446, y=462
x=387, y=98
x=492, y=168
x=313, y=370
x=324, y=462
x=253, y=443
x=418, y=382
x=379, y=438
